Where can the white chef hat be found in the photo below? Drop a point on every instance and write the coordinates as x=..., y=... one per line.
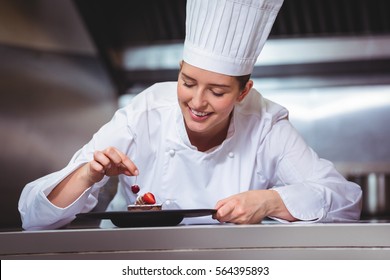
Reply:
x=226, y=36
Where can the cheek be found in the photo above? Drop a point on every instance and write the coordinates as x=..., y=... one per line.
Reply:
x=182, y=94
x=225, y=106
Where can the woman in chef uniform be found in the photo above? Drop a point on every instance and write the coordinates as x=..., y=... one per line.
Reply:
x=209, y=140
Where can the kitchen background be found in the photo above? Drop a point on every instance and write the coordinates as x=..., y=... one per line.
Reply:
x=66, y=66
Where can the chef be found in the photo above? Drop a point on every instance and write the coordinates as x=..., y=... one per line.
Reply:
x=209, y=140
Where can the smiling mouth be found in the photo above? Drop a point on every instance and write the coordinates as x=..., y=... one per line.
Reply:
x=199, y=114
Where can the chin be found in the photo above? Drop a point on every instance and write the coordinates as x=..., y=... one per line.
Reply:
x=196, y=128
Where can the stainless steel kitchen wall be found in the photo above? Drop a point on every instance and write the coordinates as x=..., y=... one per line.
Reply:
x=348, y=125
x=54, y=92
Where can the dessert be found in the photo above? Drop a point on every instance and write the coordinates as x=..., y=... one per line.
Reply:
x=146, y=201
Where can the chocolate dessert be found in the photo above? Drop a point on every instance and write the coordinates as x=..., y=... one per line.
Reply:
x=146, y=202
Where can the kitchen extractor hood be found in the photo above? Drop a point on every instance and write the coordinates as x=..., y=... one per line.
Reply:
x=140, y=42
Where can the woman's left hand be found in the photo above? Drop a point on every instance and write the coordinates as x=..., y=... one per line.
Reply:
x=251, y=207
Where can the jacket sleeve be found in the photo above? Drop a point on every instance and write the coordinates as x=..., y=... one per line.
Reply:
x=37, y=212
x=310, y=187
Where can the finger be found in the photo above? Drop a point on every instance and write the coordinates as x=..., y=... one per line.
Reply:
x=130, y=168
x=127, y=165
x=95, y=171
x=122, y=161
x=114, y=155
x=224, y=212
x=220, y=203
x=100, y=158
x=96, y=167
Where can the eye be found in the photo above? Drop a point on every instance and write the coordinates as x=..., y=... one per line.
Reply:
x=217, y=94
x=187, y=85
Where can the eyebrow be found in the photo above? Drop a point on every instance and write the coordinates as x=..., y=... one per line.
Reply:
x=213, y=85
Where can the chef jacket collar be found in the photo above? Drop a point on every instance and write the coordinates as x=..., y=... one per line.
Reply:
x=182, y=132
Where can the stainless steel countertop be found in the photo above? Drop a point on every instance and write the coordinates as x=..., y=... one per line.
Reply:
x=363, y=240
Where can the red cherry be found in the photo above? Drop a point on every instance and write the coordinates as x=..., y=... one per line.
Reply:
x=148, y=198
x=135, y=188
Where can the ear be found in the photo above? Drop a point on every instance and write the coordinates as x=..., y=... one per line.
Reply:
x=246, y=90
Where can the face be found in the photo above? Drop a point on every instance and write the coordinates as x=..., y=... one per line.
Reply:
x=207, y=100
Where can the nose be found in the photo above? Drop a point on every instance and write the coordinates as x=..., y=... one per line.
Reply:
x=198, y=99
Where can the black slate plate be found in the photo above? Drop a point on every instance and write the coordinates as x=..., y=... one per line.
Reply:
x=148, y=218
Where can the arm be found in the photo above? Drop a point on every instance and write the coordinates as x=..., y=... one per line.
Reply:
x=109, y=162
x=53, y=201
x=310, y=187
x=304, y=187
x=252, y=207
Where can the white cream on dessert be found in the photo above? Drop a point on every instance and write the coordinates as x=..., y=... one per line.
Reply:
x=139, y=201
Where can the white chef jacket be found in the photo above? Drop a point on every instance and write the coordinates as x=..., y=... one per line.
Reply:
x=262, y=151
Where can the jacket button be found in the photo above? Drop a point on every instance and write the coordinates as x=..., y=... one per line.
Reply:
x=172, y=152
x=231, y=155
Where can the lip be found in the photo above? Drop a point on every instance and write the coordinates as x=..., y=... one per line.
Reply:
x=197, y=117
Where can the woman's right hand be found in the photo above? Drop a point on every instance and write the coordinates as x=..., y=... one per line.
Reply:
x=110, y=162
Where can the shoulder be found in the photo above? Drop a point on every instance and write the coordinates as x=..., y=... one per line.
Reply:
x=258, y=118
x=259, y=108
x=155, y=97
x=160, y=94
x=151, y=106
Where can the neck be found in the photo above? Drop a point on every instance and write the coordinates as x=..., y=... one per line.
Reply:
x=205, y=141
x=204, y=144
